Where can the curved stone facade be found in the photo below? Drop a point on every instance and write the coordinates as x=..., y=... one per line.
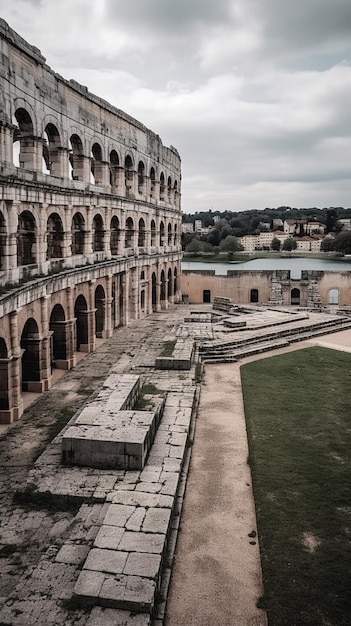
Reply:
x=90, y=221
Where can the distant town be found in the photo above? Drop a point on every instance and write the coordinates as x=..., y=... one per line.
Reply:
x=282, y=229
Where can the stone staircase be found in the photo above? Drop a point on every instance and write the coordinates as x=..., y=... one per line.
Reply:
x=231, y=351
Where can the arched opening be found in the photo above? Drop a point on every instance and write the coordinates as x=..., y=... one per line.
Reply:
x=162, y=286
x=295, y=296
x=76, y=158
x=57, y=326
x=96, y=172
x=78, y=234
x=162, y=186
x=141, y=178
x=175, y=281
x=129, y=233
x=26, y=239
x=169, y=188
x=153, y=233
x=51, y=151
x=141, y=233
x=114, y=165
x=99, y=311
x=175, y=239
x=81, y=315
x=4, y=380
x=54, y=234
x=23, y=140
x=169, y=235
x=162, y=234
x=30, y=353
x=254, y=295
x=206, y=296
x=2, y=239
x=152, y=182
x=114, y=235
x=128, y=175
x=169, y=284
x=98, y=233
x=333, y=296
x=154, y=291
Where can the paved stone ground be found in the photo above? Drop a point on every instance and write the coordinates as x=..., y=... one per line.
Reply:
x=37, y=573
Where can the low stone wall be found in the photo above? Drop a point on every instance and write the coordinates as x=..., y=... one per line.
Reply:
x=181, y=358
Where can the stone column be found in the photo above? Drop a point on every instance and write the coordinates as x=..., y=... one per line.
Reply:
x=45, y=347
x=107, y=308
x=70, y=330
x=15, y=382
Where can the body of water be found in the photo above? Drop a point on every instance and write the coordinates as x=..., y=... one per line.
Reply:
x=295, y=265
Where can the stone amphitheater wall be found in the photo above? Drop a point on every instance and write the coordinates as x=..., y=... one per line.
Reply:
x=90, y=221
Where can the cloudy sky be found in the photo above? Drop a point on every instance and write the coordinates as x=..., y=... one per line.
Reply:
x=254, y=94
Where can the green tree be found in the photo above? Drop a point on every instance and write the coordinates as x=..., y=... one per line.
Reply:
x=276, y=244
x=342, y=242
x=194, y=247
x=230, y=245
x=289, y=244
x=327, y=245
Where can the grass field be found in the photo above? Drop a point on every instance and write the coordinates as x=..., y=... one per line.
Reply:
x=298, y=414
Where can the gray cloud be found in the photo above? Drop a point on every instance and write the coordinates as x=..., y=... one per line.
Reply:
x=255, y=94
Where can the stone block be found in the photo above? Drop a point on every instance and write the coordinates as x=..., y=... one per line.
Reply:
x=143, y=564
x=142, y=542
x=139, y=498
x=156, y=521
x=109, y=561
x=108, y=537
x=118, y=514
x=89, y=585
x=116, y=617
x=72, y=554
x=128, y=592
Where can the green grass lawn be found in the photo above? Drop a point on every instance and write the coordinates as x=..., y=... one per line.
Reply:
x=298, y=414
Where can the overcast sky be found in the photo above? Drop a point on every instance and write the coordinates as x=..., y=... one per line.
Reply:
x=254, y=94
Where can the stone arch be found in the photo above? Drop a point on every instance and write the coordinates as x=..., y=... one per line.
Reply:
x=76, y=157
x=4, y=376
x=98, y=233
x=57, y=326
x=30, y=347
x=114, y=167
x=51, y=150
x=26, y=238
x=81, y=315
x=128, y=175
x=169, y=284
x=162, y=186
x=295, y=296
x=254, y=295
x=54, y=234
x=153, y=232
x=152, y=182
x=99, y=311
x=141, y=233
x=114, y=235
x=78, y=233
x=162, y=234
x=2, y=239
x=333, y=296
x=141, y=177
x=175, y=281
x=175, y=237
x=129, y=233
x=154, y=291
x=96, y=164
x=169, y=234
x=169, y=188
x=23, y=139
x=162, y=286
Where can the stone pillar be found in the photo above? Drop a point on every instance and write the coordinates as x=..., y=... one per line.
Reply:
x=15, y=382
x=6, y=143
x=70, y=331
x=124, y=312
x=120, y=181
x=91, y=319
x=81, y=168
x=45, y=347
x=107, y=308
x=88, y=235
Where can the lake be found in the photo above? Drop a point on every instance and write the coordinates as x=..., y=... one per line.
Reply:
x=295, y=265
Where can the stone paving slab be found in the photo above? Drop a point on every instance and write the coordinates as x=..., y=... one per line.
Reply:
x=116, y=617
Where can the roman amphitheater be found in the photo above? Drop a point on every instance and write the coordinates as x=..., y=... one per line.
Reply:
x=101, y=363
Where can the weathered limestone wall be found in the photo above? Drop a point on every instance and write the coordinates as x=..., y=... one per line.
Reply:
x=89, y=214
x=312, y=289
